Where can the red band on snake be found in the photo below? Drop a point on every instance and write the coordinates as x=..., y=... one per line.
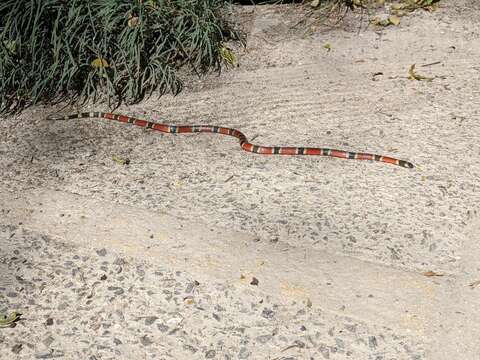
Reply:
x=258, y=149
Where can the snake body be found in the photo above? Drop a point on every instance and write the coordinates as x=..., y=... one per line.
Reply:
x=258, y=149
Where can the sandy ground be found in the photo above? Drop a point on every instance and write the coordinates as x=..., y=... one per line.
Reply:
x=371, y=221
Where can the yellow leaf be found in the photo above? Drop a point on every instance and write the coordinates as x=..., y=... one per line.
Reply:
x=189, y=300
x=120, y=161
x=151, y=3
x=133, y=21
x=398, y=6
x=414, y=76
x=328, y=46
x=9, y=320
x=380, y=22
x=394, y=20
x=11, y=46
x=228, y=55
x=99, y=63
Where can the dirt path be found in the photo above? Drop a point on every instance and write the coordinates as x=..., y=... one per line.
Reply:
x=373, y=221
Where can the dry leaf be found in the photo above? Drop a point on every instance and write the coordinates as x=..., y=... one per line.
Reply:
x=9, y=320
x=398, y=6
x=414, y=76
x=99, y=63
x=394, y=20
x=228, y=55
x=120, y=161
x=431, y=273
x=189, y=300
x=380, y=22
x=475, y=284
x=133, y=21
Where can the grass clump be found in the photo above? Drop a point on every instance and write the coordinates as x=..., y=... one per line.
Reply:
x=52, y=50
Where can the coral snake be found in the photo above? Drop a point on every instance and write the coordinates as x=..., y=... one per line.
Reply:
x=258, y=149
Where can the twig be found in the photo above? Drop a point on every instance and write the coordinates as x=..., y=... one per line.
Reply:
x=434, y=63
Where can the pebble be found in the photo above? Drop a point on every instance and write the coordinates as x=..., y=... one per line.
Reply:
x=324, y=351
x=268, y=313
x=48, y=341
x=210, y=354
x=146, y=341
x=149, y=320
x=244, y=353
x=162, y=327
x=17, y=348
x=263, y=339
x=101, y=252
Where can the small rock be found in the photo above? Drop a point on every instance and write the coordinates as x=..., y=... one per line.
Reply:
x=101, y=252
x=351, y=328
x=244, y=353
x=50, y=354
x=17, y=348
x=117, y=341
x=103, y=277
x=116, y=290
x=119, y=261
x=216, y=317
x=49, y=322
x=299, y=344
x=324, y=351
x=149, y=320
x=254, y=281
x=162, y=327
x=190, y=348
x=191, y=286
x=262, y=339
x=146, y=341
x=63, y=306
x=219, y=308
x=210, y=354
x=48, y=341
x=11, y=294
x=140, y=272
x=268, y=313
x=44, y=355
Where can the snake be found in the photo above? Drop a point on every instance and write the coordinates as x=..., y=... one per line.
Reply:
x=245, y=145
